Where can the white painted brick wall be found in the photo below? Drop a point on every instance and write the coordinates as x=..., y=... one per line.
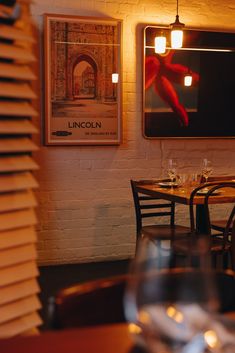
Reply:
x=86, y=210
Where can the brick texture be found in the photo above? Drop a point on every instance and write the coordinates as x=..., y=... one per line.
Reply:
x=86, y=210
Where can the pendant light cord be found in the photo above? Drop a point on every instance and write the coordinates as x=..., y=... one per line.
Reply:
x=177, y=7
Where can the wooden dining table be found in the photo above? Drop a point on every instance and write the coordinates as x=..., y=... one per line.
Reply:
x=110, y=338
x=182, y=194
x=113, y=338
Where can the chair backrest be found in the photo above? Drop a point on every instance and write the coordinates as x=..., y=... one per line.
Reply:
x=150, y=207
x=212, y=187
x=230, y=219
x=92, y=303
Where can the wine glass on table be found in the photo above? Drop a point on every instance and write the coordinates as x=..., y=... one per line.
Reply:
x=172, y=170
x=206, y=169
x=170, y=306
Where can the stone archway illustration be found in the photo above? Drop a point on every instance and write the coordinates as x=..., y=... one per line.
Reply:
x=84, y=78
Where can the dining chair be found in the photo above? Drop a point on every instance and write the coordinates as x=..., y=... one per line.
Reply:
x=224, y=225
x=220, y=224
x=87, y=304
x=220, y=243
x=233, y=244
x=147, y=207
x=223, y=228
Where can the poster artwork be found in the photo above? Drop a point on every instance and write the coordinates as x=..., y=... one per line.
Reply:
x=82, y=98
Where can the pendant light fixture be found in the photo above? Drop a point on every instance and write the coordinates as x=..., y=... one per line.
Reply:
x=188, y=78
x=115, y=77
x=160, y=44
x=177, y=31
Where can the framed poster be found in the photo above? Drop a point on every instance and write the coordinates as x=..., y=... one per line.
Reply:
x=203, y=110
x=82, y=80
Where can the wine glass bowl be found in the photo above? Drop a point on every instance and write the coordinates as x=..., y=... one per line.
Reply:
x=172, y=170
x=170, y=304
x=187, y=180
x=206, y=169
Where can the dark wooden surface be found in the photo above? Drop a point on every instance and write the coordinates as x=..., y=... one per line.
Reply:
x=182, y=194
x=103, y=339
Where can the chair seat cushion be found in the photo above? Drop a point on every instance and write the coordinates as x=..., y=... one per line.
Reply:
x=165, y=231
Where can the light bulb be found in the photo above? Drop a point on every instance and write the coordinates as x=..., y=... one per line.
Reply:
x=160, y=45
x=176, y=38
x=188, y=80
x=115, y=78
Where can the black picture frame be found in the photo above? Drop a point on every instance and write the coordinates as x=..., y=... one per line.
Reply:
x=204, y=110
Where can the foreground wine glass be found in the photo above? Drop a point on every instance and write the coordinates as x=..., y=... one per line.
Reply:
x=171, y=306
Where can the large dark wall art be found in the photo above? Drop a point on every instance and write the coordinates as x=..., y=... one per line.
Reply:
x=204, y=110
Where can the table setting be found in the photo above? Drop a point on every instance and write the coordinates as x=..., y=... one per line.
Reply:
x=181, y=179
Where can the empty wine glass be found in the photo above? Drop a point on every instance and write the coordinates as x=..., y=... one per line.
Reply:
x=206, y=168
x=171, y=305
x=183, y=181
x=172, y=170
